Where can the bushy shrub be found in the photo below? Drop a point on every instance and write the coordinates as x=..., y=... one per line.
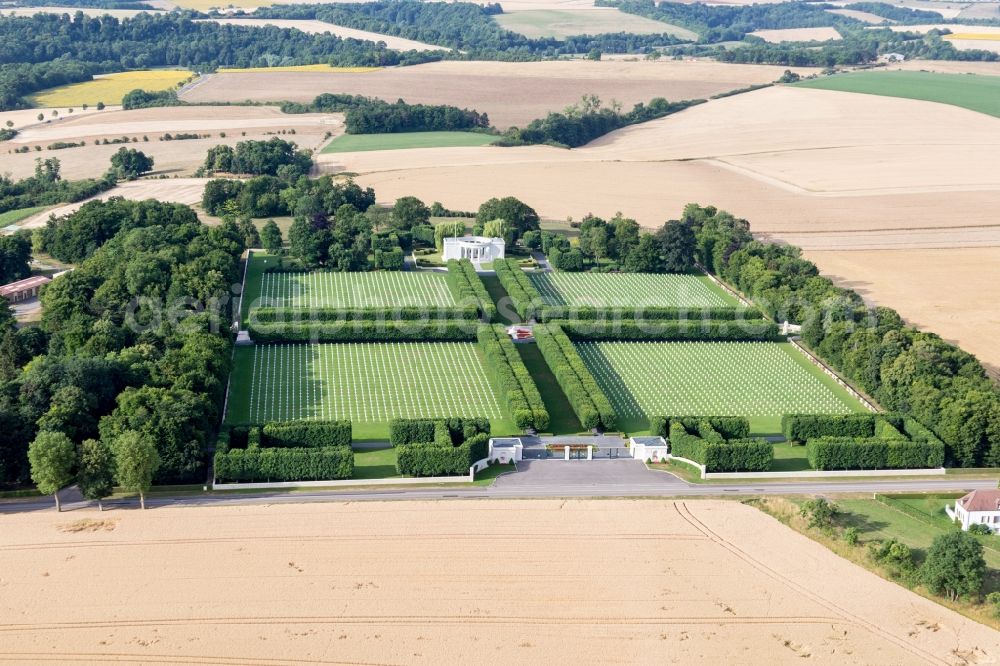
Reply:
x=569, y=381
x=885, y=430
x=297, y=464
x=389, y=260
x=307, y=434
x=254, y=437
x=418, y=431
x=803, y=427
x=828, y=453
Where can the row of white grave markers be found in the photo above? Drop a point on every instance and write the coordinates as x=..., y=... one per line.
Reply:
x=627, y=290
x=748, y=378
x=356, y=290
x=369, y=382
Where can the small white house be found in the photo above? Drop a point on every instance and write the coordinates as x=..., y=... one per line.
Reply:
x=980, y=507
x=473, y=248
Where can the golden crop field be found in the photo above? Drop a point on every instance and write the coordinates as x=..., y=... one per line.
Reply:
x=298, y=68
x=109, y=88
x=986, y=36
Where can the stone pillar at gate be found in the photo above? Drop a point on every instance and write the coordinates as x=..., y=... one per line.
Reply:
x=566, y=453
x=590, y=452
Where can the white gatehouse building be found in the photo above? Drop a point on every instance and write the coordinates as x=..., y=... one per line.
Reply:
x=473, y=248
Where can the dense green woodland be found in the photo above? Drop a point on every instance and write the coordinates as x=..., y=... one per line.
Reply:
x=46, y=187
x=47, y=50
x=109, y=359
x=467, y=27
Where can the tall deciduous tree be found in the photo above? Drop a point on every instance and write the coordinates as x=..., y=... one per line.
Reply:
x=97, y=470
x=129, y=163
x=136, y=461
x=52, y=456
x=677, y=241
x=270, y=237
x=409, y=212
x=518, y=214
x=644, y=257
x=954, y=566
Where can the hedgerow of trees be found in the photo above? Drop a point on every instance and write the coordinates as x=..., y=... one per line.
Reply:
x=369, y=115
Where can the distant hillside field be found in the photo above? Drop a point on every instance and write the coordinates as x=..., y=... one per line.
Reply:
x=974, y=92
x=560, y=24
x=110, y=88
x=350, y=143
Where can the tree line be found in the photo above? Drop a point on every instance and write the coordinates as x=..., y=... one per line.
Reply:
x=587, y=120
x=369, y=115
x=466, y=27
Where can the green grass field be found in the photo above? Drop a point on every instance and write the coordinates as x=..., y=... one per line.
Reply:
x=759, y=380
x=354, y=143
x=974, y=92
x=630, y=290
x=560, y=24
x=368, y=383
x=374, y=463
x=15, y=216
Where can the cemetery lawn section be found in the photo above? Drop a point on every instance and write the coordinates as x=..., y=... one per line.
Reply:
x=974, y=92
x=631, y=290
x=356, y=143
x=368, y=383
x=759, y=380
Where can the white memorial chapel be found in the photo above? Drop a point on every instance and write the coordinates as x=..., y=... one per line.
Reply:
x=473, y=248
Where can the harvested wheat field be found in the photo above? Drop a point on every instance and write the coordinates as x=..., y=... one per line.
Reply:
x=614, y=582
x=172, y=190
x=315, y=27
x=760, y=154
x=87, y=11
x=512, y=93
x=797, y=35
x=952, y=292
x=866, y=17
x=949, y=66
x=177, y=157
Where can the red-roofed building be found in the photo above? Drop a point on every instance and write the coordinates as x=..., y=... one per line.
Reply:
x=980, y=507
x=22, y=290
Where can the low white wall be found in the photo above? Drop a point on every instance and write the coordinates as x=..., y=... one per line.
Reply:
x=344, y=483
x=814, y=474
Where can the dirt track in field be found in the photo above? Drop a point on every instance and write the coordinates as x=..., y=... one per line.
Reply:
x=510, y=93
x=456, y=583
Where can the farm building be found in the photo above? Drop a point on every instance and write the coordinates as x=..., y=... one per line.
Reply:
x=980, y=507
x=22, y=290
x=474, y=248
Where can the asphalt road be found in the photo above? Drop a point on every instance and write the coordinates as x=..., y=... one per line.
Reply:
x=670, y=486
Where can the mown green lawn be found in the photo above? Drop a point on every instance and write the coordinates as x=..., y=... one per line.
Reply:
x=969, y=91
x=375, y=463
x=352, y=143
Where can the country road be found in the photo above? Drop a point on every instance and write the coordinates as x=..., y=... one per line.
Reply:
x=544, y=479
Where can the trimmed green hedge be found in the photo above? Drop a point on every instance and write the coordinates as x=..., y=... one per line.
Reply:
x=523, y=294
x=422, y=431
x=671, y=330
x=718, y=454
x=365, y=331
x=273, y=315
x=466, y=286
x=592, y=407
x=730, y=427
x=292, y=434
x=803, y=427
x=301, y=464
x=433, y=459
x=512, y=378
x=837, y=453
x=590, y=313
